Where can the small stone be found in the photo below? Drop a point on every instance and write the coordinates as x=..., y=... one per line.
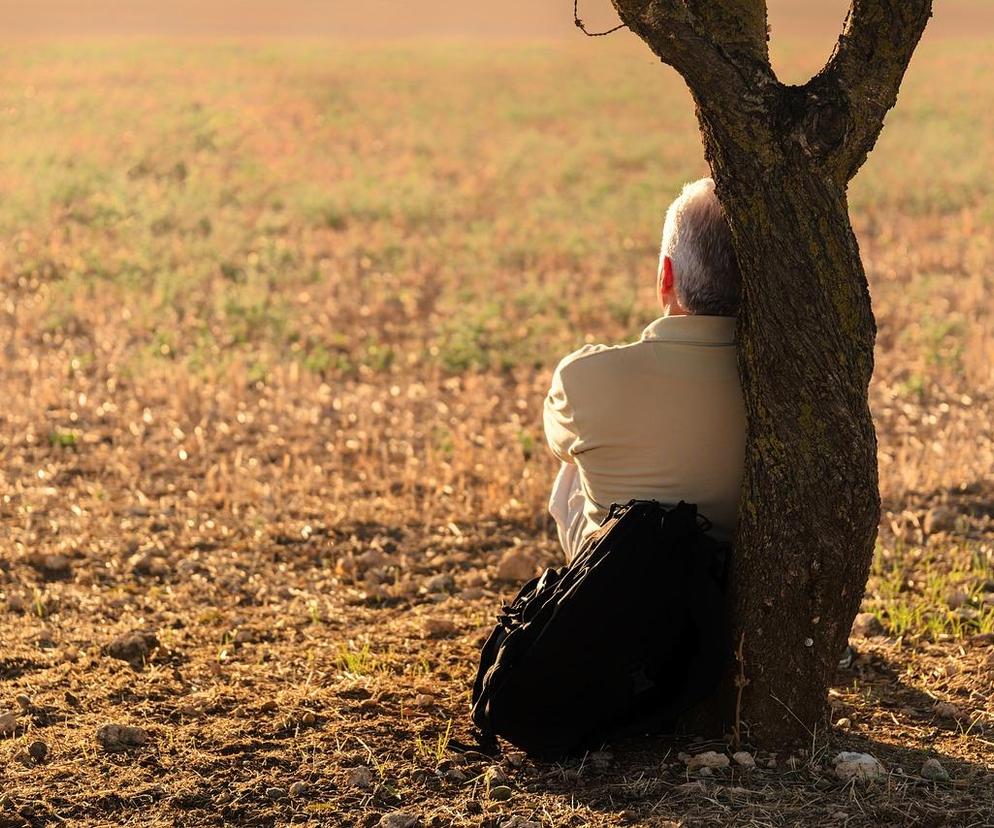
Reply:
x=376, y=593
x=932, y=769
x=456, y=775
x=192, y=710
x=8, y=724
x=134, y=648
x=500, y=793
x=860, y=766
x=298, y=789
x=114, y=737
x=361, y=777
x=708, y=759
x=473, y=593
x=744, y=759
x=520, y=822
x=939, y=519
x=494, y=776
x=52, y=567
x=405, y=588
x=956, y=598
x=372, y=559
x=423, y=701
x=948, y=710
x=443, y=582
x=844, y=723
x=23, y=701
x=150, y=565
x=515, y=565
x=38, y=751
x=478, y=578
x=439, y=627
x=705, y=771
x=398, y=819
x=308, y=719
x=276, y=793
x=866, y=625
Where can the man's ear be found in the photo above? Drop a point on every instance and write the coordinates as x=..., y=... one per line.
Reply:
x=667, y=274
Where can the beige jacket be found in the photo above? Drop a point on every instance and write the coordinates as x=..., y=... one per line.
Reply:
x=660, y=419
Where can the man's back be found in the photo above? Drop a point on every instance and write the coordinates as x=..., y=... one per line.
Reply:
x=659, y=419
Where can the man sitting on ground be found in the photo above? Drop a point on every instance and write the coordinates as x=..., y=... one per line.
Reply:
x=661, y=418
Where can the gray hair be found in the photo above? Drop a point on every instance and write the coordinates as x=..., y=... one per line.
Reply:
x=697, y=239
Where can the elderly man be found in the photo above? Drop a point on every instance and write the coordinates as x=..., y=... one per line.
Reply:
x=661, y=418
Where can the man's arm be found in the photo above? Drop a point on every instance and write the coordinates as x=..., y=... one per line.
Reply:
x=562, y=429
x=558, y=418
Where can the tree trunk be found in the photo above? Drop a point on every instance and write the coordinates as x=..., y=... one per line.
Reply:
x=810, y=507
x=782, y=157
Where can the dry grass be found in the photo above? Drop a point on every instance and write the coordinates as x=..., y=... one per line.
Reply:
x=277, y=323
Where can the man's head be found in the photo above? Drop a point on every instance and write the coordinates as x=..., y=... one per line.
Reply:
x=698, y=272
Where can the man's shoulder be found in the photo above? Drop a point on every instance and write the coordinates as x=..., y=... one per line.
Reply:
x=592, y=358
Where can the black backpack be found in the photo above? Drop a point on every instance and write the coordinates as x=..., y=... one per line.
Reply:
x=621, y=641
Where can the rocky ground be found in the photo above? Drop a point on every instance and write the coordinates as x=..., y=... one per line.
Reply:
x=317, y=675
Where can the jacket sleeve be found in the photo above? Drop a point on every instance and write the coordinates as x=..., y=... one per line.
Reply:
x=559, y=414
x=558, y=419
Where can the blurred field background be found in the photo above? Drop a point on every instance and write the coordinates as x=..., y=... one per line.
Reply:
x=278, y=315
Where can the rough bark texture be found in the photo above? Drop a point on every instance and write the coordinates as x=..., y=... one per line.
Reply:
x=782, y=157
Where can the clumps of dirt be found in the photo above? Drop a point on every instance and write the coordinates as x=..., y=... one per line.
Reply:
x=116, y=738
x=8, y=724
x=51, y=566
x=867, y=625
x=516, y=565
x=135, y=648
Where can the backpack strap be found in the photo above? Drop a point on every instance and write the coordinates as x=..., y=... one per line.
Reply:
x=486, y=744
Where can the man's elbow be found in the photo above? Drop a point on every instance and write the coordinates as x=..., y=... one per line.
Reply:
x=560, y=445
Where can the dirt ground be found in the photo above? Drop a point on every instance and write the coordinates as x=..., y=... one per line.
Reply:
x=275, y=685
x=269, y=425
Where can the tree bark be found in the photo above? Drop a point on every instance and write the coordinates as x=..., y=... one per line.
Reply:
x=781, y=157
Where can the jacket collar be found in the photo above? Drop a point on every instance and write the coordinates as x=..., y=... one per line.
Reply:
x=710, y=330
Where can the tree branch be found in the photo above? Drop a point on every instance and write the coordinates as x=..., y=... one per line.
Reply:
x=719, y=48
x=866, y=70
x=738, y=26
